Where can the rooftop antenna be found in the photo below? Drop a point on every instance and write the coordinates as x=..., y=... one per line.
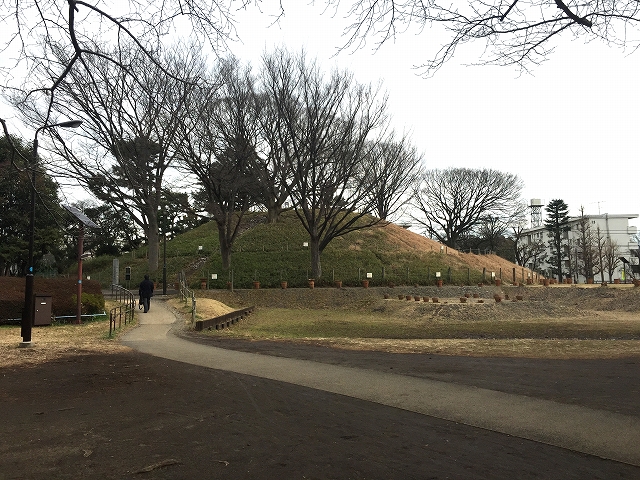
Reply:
x=599, y=202
x=536, y=212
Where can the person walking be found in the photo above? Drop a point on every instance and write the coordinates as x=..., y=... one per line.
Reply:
x=146, y=292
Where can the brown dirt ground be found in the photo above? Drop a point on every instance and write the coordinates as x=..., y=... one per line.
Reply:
x=114, y=413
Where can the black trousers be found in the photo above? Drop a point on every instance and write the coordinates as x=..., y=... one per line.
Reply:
x=145, y=303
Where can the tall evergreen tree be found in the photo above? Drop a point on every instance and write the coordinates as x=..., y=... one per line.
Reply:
x=15, y=204
x=557, y=223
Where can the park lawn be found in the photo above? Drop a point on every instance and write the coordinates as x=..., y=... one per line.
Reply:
x=603, y=336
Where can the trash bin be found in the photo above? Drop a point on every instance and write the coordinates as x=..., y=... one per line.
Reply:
x=42, y=310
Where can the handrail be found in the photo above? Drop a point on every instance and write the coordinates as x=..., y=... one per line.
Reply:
x=126, y=310
x=185, y=293
x=121, y=294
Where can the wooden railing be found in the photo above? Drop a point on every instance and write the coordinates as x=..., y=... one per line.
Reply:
x=223, y=320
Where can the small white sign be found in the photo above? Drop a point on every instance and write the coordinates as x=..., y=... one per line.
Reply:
x=437, y=274
x=199, y=248
x=493, y=274
x=305, y=244
x=214, y=276
x=369, y=275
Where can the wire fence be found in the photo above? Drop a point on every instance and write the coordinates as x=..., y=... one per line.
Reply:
x=379, y=276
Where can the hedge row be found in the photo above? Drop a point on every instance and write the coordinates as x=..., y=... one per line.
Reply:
x=62, y=291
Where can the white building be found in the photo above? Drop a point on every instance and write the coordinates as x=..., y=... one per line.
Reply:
x=615, y=228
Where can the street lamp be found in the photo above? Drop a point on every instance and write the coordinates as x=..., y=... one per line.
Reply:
x=27, y=312
x=84, y=221
x=164, y=263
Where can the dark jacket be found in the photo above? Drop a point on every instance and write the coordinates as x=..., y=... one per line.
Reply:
x=146, y=289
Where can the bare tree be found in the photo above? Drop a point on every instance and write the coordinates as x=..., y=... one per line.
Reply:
x=31, y=27
x=34, y=31
x=600, y=245
x=328, y=124
x=272, y=168
x=493, y=229
x=611, y=257
x=393, y=167
x=455, y=201
x=529, y=254
x=586, y=247
x=633, y=264
x=220, y=150
x=513, y=32
x=51, y=41
x=132, y=124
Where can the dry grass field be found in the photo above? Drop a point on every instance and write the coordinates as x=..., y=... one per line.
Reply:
x=57, y=341
x=546, y=323
x=555, y=323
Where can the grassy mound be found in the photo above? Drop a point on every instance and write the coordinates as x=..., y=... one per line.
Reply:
x=271, y=253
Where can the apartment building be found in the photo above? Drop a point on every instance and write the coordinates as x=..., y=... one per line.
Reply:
x=613, y=228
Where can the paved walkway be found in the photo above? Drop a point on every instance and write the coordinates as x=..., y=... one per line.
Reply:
x=582, y=429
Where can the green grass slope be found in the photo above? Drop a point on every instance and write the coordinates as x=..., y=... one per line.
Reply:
x=271, y=253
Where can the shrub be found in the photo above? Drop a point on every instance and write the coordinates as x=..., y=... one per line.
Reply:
x=91, y=303
x=62, y=291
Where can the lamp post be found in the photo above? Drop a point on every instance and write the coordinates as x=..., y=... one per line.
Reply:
x=27, y=312
x=84, y=221
x=164, y=264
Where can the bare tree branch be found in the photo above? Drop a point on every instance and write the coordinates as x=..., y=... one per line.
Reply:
x=521, y=35
x=328, y=126
x=453, y=202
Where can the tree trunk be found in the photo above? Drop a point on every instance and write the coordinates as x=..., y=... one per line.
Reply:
x=153, y=238
x=225, y=247
x=316, y=268
x=273, y=209
x=273, y=213
x=558, y=241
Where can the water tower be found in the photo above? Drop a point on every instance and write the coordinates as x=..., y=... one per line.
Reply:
x=536, y=212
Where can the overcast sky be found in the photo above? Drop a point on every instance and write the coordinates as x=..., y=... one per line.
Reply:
x=568, y=129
